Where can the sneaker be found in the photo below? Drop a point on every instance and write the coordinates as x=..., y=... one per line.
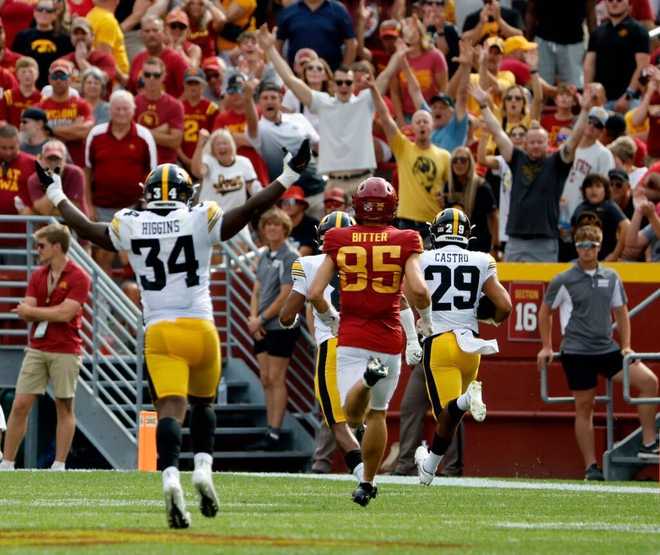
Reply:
x=375, y=371
x=649, y=452
x=425, y=478
x=594, y=474
x=202, y=479
x=364, y=493
x=477, y=405
x=175, y=505
x=268, y=443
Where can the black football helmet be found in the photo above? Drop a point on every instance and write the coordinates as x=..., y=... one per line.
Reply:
x=332, y=220
x=451, y=227
x=168, y=186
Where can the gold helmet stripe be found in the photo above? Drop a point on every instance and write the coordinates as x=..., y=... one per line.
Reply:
x=338, y=219
x=454, y=228
x=164, y=193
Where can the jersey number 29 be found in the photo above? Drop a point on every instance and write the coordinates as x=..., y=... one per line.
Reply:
x=189, y=265
x=464, y=278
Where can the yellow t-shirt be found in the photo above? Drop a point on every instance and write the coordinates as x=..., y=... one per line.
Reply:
x=423, y=173
x=248, y=6
x=107, y=31
x=631, y=129
x=505, y=79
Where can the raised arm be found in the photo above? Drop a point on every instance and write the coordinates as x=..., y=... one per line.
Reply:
x=298, y=86
x=251, y=116
x=396, y=62
x=502, y=140
x=96, y=232
x=568, y=149
x=483, y=159
x=532, y=58
x=237, y=218
x=386, y=121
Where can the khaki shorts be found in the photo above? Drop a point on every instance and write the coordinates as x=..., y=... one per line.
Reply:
x=39, y=367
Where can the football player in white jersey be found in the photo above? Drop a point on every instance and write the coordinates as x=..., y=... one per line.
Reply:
x=464, y=289
x=169, y=246
x=303, y=271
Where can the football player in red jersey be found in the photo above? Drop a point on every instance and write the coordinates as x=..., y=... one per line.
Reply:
x=372, y=259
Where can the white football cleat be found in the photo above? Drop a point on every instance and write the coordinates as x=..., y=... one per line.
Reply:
x=175, y=504
x=202, y=479
x=425, y=478
x=477, y=405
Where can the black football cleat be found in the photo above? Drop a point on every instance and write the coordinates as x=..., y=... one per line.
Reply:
x=375, y=371
x=364, y=493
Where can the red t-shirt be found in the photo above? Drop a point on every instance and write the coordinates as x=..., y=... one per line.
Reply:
x=79, y=7
x=653, y=139
x=8, y=60
x=13, y=183
x=371, y=262
x=66, y=113
x=103, y=60
x=519, y=69
x=7, y=79
x=74, y=283
x=195, y=118
x=205, y=38
x=175, y=67
x=118, y=166
x=425, y=67
x=16, y=16
x=152, y=114
x=553, y=126
x=13, y=103
x=73, y=185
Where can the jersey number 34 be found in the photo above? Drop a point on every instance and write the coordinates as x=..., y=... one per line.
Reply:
x=189, y=265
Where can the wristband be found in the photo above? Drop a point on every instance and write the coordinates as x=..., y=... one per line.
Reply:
x=55, y=195
x=425, y=314
x=288, y=176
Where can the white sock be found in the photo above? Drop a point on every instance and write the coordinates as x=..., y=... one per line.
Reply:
x=6, y=464
x=202, y=460
x=171, y=473
x=358, y=472
x=463, y=402
x=58, y=465
x=431, y=462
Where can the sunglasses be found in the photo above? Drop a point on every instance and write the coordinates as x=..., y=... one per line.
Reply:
x=340, y=82
x=460, y=160
x=43, y=9
x=59, y=76
x=152, y=75
x=512, y=97
x=289, y=202
x=179, y=26
x=587, y=245
x=315, y=68
x=434, y=2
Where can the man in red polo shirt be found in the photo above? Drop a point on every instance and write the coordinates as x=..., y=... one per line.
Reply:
x=23, y=96
x=198, y=113
x=53, y=304
x=118, y=157
x=15, y=168
x=153, y=36
x=69, y=116
x=159, y=112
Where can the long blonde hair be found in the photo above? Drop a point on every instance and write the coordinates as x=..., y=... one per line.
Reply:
x=225, y=134
x=463, y=196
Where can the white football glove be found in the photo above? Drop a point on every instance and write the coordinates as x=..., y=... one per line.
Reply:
x=414, y=353
x=331, y=319
x=54, y=191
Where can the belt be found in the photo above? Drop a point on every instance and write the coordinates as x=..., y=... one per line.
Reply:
x=349, y=176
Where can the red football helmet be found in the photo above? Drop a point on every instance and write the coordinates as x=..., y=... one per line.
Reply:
x=375, y=201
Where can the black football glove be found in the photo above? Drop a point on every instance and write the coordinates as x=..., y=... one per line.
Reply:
x=299, y=161
x=44, y=176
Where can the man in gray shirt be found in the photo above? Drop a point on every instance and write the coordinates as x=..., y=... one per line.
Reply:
x=273, y=344
x=585, y=295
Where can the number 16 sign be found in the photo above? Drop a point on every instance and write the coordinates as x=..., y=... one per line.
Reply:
x=526, y=298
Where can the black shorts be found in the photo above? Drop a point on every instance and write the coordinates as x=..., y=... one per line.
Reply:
x=277, y=343
x=582, y=370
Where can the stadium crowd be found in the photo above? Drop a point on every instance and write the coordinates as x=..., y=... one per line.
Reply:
x=532, y=117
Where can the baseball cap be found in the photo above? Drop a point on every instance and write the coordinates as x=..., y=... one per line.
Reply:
x=448, y=100
x=618, y=174
x=211, y=64
x=61, y=65
x=36, y=114
x=178, y=16
x=390, y=28
x=81, y=23
x=495, y=41
x=335, y=194
x=296, y=193
x=53, y=149
x=599, y=114
x=194, y=74
x=518, y=42
x=235, y=84
x=268, y=86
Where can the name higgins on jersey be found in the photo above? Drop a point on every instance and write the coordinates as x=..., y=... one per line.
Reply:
x=160, y=228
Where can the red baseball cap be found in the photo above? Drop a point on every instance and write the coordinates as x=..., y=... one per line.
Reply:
x=296, y=193
x=212, y=64
x=334, y=194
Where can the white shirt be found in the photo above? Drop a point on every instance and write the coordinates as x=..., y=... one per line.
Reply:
x=594, y=159
x=292, y=104
x=506, y=179
x=292, y=130
x=171, y=258
x=229, y=186
x=346, y=132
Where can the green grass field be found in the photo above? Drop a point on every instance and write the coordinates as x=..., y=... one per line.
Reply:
x=118, y=512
